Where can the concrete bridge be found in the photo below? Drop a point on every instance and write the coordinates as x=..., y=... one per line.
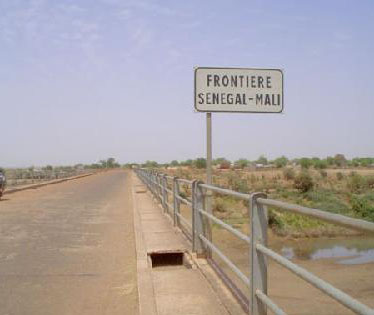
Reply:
x=102, y=245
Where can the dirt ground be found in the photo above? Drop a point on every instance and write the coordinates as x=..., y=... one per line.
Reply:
x=294, y=295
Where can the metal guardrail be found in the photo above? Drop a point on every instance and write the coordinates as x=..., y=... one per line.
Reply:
x=202, y=245
x=17, y=177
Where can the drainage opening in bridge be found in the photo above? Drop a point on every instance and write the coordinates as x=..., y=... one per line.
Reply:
x=166, y=259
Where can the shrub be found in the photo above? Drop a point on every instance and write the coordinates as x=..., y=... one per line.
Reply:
x=240, y=185
x=262, y=160
x=339, y=176
x=362, y=207
x=370, y=182
x=323, y=173
x=275, y=220
x=305, y=163
x=241, y=163
x=356, y=183
x=303, y=182
x=281, y=162
x=219, y=205
x=320, y=164
x=288, y=173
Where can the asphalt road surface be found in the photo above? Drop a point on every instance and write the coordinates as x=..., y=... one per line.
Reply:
x=69, y=248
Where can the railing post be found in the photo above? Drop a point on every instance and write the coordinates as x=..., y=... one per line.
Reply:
x=157, y=186
x=176, y=201
x=258, y=261
x=166, y=196
x=164, y=193
x=159, y=180
x=153, y=177
x=197, y=219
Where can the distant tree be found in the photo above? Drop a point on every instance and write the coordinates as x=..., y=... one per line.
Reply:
x=241, y=163
x=340, y=160
x=188, y=162
x=2, y=170
x=365, y=162
x=315, y=160
x=93, y=166
x=281, y=161
x=320, y=164
x=111, y=162
x=219, y=161
x=223, y=163
x=262, y=160
x=200, y=163
x=355, y=162
x=330, y=161
x=305, y=163
x=48, y=168
x=174, y=163
x=130, y=165
x=150, y=164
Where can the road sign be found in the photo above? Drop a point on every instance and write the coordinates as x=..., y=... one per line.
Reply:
x=238, y=90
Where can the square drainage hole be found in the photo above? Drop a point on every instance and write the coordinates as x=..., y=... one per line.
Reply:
x=166, y=259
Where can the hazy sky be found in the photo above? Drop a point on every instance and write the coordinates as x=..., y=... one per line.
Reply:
x=85, y=80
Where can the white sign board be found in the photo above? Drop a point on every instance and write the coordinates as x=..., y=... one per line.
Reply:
x=238, y=90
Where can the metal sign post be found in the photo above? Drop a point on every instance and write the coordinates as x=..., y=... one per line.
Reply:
x=209, y=148
x=234, y=90
x=208, y=199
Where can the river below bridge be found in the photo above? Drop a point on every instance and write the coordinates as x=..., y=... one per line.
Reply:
x=352, y=250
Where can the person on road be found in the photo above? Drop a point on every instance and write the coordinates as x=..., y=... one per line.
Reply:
x=2, y=181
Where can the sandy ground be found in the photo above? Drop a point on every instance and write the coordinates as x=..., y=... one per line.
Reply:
x=294, y=295
x=69, y=248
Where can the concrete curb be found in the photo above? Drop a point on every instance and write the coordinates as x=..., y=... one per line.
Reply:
x=146, y=295
x=52, y=182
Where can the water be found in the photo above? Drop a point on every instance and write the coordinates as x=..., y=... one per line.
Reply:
x=343, y=251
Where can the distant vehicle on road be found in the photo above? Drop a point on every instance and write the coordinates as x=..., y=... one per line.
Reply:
x=2, y=182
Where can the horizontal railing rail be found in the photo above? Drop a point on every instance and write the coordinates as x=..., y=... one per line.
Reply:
x=162, y=186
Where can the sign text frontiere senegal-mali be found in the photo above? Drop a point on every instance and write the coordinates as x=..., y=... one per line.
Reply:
x=238, y=90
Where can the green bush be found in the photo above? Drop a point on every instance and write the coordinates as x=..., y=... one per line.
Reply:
x=320, y=164
x=303, y=182
x=281, y=162
x=326, y=200
x=241, y=163
x=362, y=207
x=275, y=220
x=305, y=163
